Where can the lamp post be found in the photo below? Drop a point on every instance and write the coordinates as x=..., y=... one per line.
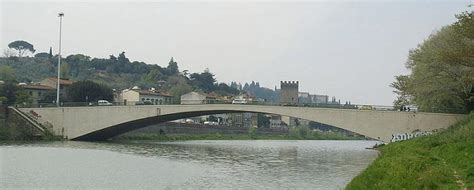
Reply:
x=60, y=15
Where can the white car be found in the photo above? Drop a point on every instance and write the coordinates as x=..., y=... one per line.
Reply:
x=104, y=103
x=239, y=101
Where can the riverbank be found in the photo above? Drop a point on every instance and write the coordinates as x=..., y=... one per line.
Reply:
x=440, y=161
x=302, y=133
x=14, y=128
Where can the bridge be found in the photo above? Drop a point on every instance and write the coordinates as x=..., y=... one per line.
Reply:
x=103, y=122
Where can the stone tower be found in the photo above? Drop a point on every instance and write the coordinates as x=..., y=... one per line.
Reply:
x=289, y=92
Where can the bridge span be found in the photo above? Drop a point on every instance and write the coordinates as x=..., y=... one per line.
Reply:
x=103, y=122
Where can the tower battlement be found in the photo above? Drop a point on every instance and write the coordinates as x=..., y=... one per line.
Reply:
x=289, y=83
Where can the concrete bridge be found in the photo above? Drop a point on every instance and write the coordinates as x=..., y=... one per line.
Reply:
x=100, y=123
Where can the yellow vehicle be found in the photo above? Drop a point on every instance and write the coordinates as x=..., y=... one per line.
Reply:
x=366, y=107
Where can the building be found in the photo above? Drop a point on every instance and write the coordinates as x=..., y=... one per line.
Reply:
x=136, y=96
x=37, y=92
x=197, y=98
x=53, y=83
x=320, y=99
x=276, y=121
x=304, y=98
x=289, y=92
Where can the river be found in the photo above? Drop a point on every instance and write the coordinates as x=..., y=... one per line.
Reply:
x=259, y=164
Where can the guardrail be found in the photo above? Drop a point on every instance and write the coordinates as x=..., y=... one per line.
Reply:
x=333, y=106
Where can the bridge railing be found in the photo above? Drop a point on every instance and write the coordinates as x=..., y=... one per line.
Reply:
x=139, y=103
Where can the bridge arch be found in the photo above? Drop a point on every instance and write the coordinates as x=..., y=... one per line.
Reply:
x=122, y=128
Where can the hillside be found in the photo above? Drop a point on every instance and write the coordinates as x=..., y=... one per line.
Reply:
x=116, y=72
x=440, y=161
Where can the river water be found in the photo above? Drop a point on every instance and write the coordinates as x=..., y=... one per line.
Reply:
x=257, y=164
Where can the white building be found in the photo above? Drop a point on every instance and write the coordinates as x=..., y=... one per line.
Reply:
x=196, y=98
x=139, y=97
x=320, y=99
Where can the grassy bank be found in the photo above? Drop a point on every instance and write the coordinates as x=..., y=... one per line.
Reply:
x=294, y=134
x=440, y=161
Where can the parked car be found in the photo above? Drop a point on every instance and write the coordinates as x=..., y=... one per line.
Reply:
x=239, y=101
x=104, y=103
x=366, y=107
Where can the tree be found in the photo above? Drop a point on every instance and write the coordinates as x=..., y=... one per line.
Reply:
x=153, y=76
x=50, y=52
x=204, y=80
x=42, y=55
x=442, y=74
x=22, y=47
x=401, y=90
x=8, y=91
x=223, y=88
x=122, y=59
x=172, y=68
x=88, y=91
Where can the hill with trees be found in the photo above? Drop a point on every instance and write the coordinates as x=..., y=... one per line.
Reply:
x=117, y=72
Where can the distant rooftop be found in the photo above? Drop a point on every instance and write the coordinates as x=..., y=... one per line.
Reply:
x=61, y=81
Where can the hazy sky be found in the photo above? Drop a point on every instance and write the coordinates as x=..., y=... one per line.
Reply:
x=348, y=49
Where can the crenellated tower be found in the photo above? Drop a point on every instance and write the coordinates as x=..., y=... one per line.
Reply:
x=289, y=92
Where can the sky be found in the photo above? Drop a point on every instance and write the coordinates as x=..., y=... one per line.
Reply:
x=348, y=49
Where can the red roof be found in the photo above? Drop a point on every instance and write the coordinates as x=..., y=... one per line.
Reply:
x=61, y=81
x=36, y=87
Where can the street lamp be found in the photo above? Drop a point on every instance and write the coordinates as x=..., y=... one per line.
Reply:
x=60, y=15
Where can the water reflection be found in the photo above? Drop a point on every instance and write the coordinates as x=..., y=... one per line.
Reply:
x=222, y=164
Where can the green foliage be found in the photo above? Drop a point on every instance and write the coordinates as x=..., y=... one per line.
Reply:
x=22, y=97
x=22, y=47
x=42, y=55
x=9, y=90
x=442, y=74
x=180, y=89
x=31, y=69
x=401, y=89
x=253, y=132
x=225, y=89
x=153, y=76
x=50, y=97
x=88, y=91
x=117, y=72
x=50, y=52
x=7, y=73
x=440, y=161
x=172, y=68
x=204, y=80
x=263, y=120
x=256, y=90
x=251, y=135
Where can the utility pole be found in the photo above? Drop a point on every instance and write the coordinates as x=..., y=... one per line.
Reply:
x=60, y=15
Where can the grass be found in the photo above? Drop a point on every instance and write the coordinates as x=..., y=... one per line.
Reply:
x=440, y=161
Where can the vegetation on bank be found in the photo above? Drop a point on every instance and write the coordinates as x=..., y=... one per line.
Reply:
x=440, y=161
x=16, y=132
x=296, y=133
x=441, y=68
